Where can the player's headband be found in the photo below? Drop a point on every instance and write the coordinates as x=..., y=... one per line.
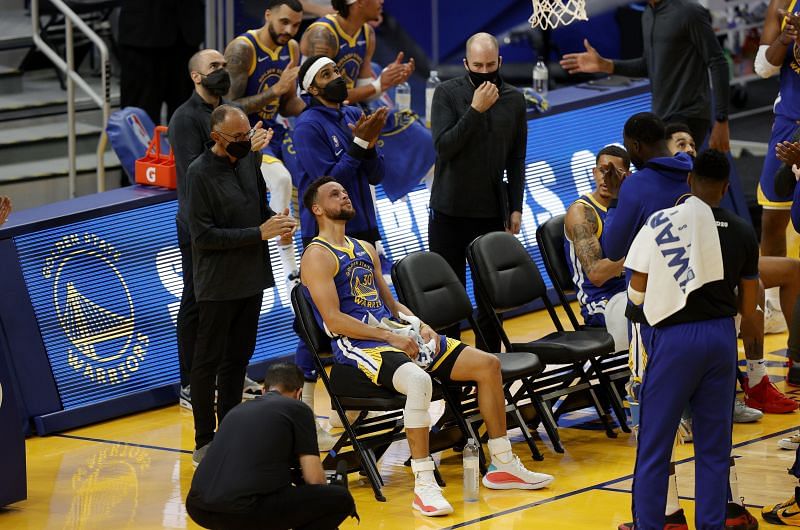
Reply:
x=351, y=2
x=314, y=69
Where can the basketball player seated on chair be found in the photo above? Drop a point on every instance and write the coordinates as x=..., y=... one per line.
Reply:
x=344, y=280
x=599, y=281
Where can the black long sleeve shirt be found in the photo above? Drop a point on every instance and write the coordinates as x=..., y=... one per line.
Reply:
x=474, y=149
x=227, y=204
x=679, y=50
x=189, y=131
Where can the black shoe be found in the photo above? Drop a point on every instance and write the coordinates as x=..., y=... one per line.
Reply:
x=793, y=375
x=675, y=521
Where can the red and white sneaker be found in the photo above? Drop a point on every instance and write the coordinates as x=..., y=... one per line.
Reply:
x=766, y=397
x=514, y=475
x=428, y=498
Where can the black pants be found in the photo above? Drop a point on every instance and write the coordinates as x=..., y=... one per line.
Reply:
x=152, y=76
x=226, y=338
x=297, y=507
x=449, y=237
x=187, y=313
x=699, y=127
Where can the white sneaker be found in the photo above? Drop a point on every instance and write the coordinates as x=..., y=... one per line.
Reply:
x=185, y=397
x=774, y=321
x=791, y=443
x=251, y=389
x=325, y=440
x=514, y=475
x=428, y=498
x=685, y=430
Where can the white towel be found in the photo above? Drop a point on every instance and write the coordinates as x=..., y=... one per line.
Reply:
x=679, y=250
x=411, y=328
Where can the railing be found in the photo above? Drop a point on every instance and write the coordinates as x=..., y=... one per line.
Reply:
x=73, y=78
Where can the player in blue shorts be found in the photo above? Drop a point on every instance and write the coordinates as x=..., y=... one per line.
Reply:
x=263, y=65
x=343, y=279
x=692, y=266
x=600, y=282
x=778, y=53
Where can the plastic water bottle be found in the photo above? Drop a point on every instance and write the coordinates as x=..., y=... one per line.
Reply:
x=540, y=77
x=471, y=471
x=430, y=88
x=402, y=96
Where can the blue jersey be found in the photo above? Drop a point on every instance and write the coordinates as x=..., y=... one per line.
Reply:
x=265, y=70
x=788, y=102
x=593, y=299
x=358, y=296
x=352, y=50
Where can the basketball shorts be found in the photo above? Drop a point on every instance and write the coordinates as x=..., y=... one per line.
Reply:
x=782, y=131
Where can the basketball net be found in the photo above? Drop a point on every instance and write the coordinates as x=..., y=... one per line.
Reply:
x=549, y=14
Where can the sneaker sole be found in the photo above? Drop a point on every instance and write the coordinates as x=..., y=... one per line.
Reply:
x=769, y=409
x=443, y=511
x=789, y=446
x=185, y=404
x=516, y=485
x=747, y=419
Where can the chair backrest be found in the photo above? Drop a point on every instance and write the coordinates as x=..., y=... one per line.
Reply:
x=550, y=238
x=429, y=287
x=504, y=272
x=311, y=332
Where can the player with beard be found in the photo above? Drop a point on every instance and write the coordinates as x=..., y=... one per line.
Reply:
x=263, y=65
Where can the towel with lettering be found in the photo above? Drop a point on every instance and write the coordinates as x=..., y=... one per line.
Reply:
x=678, y=248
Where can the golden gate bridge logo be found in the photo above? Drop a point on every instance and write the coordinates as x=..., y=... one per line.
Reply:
x=94, y=309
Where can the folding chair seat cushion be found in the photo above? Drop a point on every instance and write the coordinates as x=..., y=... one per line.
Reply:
x=562, y=347
x=516, y=364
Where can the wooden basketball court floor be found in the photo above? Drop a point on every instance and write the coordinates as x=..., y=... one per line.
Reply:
x=134, y=472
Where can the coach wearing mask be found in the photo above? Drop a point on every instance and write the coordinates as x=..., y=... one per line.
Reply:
x=479, y=131
x=230, y=223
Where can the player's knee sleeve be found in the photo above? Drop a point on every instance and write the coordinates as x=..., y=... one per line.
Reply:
x=279, y=183
x=415, y=383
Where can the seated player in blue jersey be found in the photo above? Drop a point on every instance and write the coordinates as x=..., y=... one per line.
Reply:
x=693, y=265
x=343, y=278
x=263, y=64
x=599, y=281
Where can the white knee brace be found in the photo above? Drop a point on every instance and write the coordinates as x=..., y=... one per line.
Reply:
x=415, y=383
x=279, y=183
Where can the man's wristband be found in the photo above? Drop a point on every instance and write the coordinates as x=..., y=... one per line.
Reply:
x=361, y=142
x=377, y=86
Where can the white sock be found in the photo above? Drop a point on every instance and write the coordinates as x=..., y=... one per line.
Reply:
x=673, y=504
x=288, y=260
x=427, y=476
x=773, y=296
x=756, y=370
x=308, y=393
x=500, y=450
x=733, y=481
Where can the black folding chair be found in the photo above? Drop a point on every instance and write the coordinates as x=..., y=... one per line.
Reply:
x=613, y=370
x=350, y=390
x=427, y=285
x=506, y=278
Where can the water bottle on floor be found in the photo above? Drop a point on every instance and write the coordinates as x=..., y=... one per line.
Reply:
x=472, y=474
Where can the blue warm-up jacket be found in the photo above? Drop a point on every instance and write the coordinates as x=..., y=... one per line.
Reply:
x=658, y=185
x=325, y=147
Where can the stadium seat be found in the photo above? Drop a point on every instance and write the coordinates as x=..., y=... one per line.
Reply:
x=612, y=369
x=427, y=285
x=506, y=278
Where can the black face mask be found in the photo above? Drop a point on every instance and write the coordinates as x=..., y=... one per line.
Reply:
x=478, y=78
x=238, y=150
x=335, y=91
x=217, y=82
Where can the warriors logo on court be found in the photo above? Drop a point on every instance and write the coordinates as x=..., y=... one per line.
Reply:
x=94, y=309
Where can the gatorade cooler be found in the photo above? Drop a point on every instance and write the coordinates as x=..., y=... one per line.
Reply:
x=155, y=168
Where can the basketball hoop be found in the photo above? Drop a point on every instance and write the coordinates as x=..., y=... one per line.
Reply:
x=549, y=14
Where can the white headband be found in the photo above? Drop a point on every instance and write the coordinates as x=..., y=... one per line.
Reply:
x=318, y=65
x=351, y=2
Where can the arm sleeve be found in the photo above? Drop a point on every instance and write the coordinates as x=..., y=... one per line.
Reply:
x=317, y=158
x=186, y=141
x=515, y=165
x=305, y=431
x=205, y=234
x=451, y=131
x=621, y=224
x=631, y=67
x=705, y=42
